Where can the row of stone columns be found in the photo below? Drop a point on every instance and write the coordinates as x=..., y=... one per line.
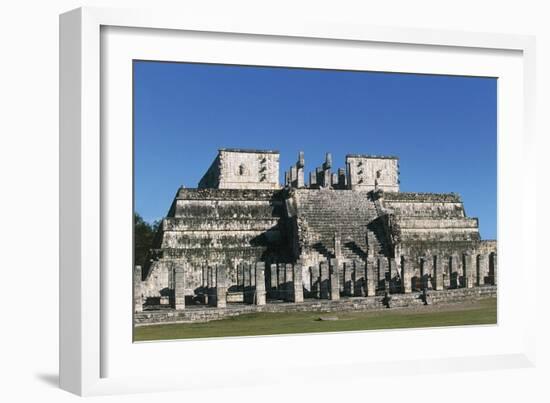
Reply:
x=456, y=271
x=285, y=282
x=359, y=278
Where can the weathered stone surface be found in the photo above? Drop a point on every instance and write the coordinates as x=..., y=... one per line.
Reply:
x=482, y=268
x=438, y=273
x=371, y=277
x=298, y=294
x=179, y=288
x=334, y=279
x=456, y=272
x=138, y=299
x=325, y=281
x=369, y=172
x=221, y=287
x=406, y=275
x=493, y=268
x=243, y=169
x=260, y=284
x=469, y=270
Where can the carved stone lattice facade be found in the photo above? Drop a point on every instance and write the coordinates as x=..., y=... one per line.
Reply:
x=241, y=237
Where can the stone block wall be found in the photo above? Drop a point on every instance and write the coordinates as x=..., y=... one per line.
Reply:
x=243, y=169
x=368, y=172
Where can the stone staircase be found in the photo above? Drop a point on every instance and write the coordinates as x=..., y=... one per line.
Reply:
x=352, y=214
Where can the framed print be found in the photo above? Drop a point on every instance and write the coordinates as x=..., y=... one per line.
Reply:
x=234, y=193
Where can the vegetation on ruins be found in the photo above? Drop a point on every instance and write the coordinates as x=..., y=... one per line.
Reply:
x=144, y=233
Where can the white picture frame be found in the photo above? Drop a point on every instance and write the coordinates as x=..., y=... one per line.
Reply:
x=96, y=356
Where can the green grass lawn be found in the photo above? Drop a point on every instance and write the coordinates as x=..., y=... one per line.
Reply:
x=477, y=313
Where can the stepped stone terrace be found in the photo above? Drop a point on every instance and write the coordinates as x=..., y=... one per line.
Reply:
x=242, y=240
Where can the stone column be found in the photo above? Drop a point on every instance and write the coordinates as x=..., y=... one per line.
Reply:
x=393, y=270
x=179, y=287
x=445, y=267
x=371, y=277
x=455, y=271
x=382, y=267
x=334, y=180
x=138, y=303
x=358, y=278
x=406, y=275
x=312, y=179
x=348, y=282
x=334, y=280
x=273, y=280
x=248, y=293
x=260, y=283
x=205, y=283
x=326, y=170
x=315, y=278
x=300, y=170
x=298, y=294
x=341, y=178
x=438, y=274
x=289, y=280
x=482, y=268
x=426, y=269
x=324, y=280
x=221, y=286
x=293, y=176
x=493, y=267
x=468, y=270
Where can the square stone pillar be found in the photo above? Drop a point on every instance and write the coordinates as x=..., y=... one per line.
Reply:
x=406, y=275
x=273, y=280
x=482, y=268
x=371, y=277
x=289, y=280
x=382, y=268
x=438, y=273
x=260, y=283
x=425, y=271
x=221, y=286
x=393, y=270
x=205, y=284
x=493, y=268
x=138, y=302
x=358, y=278
x=298, y=294
x=246, y=276
x=300, y=179
x=469, y=271
x=324, y=290
x=348, y=279
x=179, y=287
x=341, y=178
x=335, y=279
x=312, y=179
x=315, y=278
x=446, y=268
x=455, y=272
x=293, y=175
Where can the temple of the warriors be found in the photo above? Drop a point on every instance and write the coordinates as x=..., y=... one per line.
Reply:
x=338, y=238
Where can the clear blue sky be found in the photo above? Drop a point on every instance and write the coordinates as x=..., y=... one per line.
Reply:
x=443, y=128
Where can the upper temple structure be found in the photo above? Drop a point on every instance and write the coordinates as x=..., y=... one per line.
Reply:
x=241, y=237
